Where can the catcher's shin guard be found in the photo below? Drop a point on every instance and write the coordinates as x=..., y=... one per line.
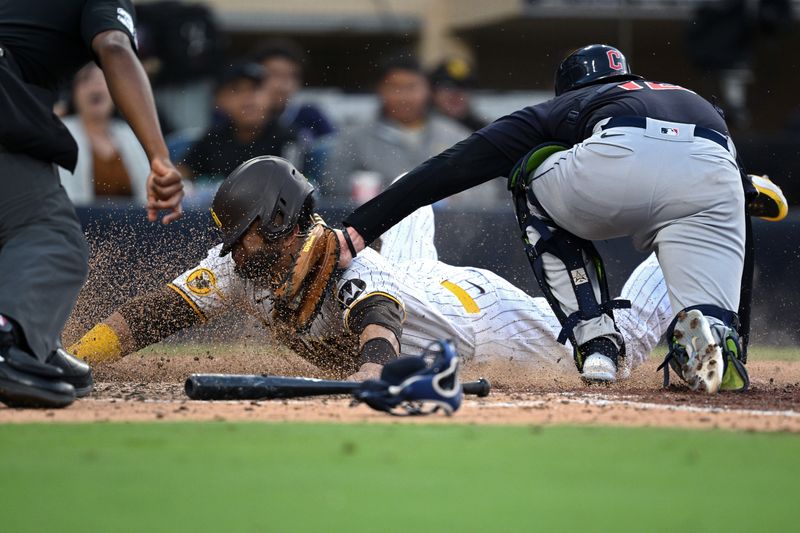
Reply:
x=568, y=248
x=706, y=355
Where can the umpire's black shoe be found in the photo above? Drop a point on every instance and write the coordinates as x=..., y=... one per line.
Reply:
x=76, y=372
x=25, y=381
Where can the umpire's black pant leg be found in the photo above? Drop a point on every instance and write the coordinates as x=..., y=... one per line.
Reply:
x=43, y=252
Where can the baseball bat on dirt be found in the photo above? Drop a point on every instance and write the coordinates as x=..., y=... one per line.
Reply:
x=257, y=387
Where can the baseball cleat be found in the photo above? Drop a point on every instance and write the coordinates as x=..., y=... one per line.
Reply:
x=735, y=377
x=703, y=366
x=599, y=368
x=770, y=204
x=76, y=372
x=26, y=382
x=601, y=365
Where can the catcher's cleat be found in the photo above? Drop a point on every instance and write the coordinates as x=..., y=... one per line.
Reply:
x=76, y=372
x=702, y=365
x=706, y=355
x=734, y=377
x=601, y=363
x=598, y=367
x=25, y=381
x=770, y=204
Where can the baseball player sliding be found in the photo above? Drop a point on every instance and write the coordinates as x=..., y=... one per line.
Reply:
x=383, y=305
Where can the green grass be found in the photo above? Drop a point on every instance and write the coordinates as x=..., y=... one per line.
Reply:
x=774, y=353
x=224, y=477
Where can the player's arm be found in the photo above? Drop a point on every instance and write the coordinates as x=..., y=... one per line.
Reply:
x=143, y=321
x=130, y=89
x=196, y=295
x=467, y=164
x=377, y=319
x=483, y=156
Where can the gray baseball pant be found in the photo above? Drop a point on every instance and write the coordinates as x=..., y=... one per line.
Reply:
x=678, y=195
x=43, y=253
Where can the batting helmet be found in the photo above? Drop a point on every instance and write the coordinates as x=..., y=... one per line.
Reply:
x=268, y=188
x=596, y=63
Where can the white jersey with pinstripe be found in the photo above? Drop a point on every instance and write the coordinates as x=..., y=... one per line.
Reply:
x=487, y=317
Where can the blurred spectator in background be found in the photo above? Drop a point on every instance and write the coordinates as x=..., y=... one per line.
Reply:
x=283, y=61
x=181, y=46
x=111, y=162
x=367, y=158
x=452, y=83
x=247, y=130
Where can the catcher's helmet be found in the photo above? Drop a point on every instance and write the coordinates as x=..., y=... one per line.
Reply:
x=596, y=63
x=417, y=385
x=267, y=187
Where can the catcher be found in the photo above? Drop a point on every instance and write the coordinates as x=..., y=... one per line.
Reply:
x=278, y=262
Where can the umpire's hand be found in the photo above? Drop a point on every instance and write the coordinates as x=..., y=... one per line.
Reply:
x=164, y=191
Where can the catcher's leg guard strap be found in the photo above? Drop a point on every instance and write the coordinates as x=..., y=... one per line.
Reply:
x=572, y=251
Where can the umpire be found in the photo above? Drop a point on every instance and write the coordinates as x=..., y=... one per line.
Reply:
x=43, y=253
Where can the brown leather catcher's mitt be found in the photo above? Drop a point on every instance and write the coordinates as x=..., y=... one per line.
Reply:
x=299, y=297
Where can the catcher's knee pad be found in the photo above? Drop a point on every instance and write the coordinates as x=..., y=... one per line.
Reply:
x=725, y=331
x=531, y=161
x=568, y=248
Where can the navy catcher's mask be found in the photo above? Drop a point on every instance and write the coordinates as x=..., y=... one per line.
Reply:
x=417, y=385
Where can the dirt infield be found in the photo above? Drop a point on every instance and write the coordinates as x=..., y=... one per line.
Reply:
x=146, y=388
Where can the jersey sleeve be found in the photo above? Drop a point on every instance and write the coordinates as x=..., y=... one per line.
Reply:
x=210, y=287
x=516, y=134
x=368, y=275
x=103, y=15
x=411, y=239
x=467, y=164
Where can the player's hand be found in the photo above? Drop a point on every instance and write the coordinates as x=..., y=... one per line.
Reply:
x=345, y=257
x=367, y=371
x=164, y=191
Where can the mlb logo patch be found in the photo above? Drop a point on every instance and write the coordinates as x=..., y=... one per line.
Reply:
x=672, y=132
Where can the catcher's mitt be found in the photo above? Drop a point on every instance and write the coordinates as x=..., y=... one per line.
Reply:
x=299, y=296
